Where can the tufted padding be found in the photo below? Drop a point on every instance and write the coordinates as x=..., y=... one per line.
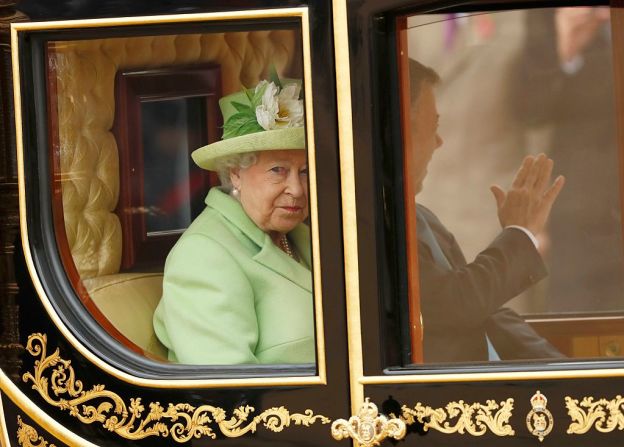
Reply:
x=88, y=152
x=129, y=300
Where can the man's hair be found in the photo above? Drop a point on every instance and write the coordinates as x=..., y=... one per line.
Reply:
x=418, y=75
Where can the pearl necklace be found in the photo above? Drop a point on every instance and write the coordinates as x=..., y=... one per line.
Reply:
x=285, y=246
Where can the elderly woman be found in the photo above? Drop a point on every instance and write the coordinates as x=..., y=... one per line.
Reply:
x=237, y=286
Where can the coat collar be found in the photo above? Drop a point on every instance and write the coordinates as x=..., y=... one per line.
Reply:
x=269, y=254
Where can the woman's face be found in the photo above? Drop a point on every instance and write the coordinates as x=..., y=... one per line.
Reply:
x=274, y=191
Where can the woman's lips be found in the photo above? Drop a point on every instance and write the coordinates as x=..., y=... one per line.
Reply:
x=292, y=209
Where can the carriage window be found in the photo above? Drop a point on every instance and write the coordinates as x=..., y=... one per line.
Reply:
x=509, y=113
x=189, y=148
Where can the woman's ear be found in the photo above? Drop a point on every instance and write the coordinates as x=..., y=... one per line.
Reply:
x=235, y=177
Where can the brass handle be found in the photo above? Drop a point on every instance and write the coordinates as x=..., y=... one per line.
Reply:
x=368, y=428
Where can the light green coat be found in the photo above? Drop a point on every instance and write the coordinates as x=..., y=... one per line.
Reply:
x=231, y=296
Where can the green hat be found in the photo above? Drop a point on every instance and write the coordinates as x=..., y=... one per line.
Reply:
x=267, y=117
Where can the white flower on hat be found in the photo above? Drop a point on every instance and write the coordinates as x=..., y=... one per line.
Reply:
x=290, y=107
x=279, y=108
x=267, y=111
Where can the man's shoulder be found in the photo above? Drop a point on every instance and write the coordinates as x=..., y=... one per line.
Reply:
x=422, y=209
x=430, y=217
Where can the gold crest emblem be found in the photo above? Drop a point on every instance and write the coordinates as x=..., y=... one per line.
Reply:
x=369, y=427
x=539, y=420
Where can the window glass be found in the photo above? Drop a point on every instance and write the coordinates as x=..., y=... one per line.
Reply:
x=487, y=91
x=164, y=126
x=127, y=116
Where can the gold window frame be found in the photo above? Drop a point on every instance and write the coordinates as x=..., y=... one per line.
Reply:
x=300, y=13
x=358, y=380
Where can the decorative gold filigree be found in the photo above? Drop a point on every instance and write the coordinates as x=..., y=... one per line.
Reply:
x=539, y=420
x=27, y=435
x=604, y=415
x=180, y=421
x=474, y=419
x=369, y=427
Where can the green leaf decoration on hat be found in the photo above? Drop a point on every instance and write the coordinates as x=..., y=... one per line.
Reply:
x=274, y=78
x=244, y=121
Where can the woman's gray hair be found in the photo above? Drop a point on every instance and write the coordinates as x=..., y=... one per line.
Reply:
x=225, y=164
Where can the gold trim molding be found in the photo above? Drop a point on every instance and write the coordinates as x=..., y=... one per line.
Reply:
x=475, y=419
x=27, y=435
x=182, y=421
x=300, y=13
x=603, y=414
x=368, y=428
x=4, y=433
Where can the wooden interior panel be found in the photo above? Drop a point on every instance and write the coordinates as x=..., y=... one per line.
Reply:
x=413, y=275
x=140, y=250
x=583, y=336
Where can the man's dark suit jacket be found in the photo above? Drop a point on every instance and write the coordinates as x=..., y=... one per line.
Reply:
x=460, y=305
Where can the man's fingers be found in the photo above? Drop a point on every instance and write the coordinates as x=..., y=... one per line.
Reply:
x=535, y=171
x=499, y=195
x=544, y=176
x=554, y=190
x=523, y=171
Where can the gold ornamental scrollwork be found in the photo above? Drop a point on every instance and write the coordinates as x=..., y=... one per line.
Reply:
x=475, y=419
x=603, y=414
x=368, y=428
x=27, y=436
x=181, y=421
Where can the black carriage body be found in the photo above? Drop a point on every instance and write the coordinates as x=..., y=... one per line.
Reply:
x=70, y=377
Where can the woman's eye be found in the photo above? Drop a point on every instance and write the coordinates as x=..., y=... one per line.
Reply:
x=304, y=171
x=280, y=170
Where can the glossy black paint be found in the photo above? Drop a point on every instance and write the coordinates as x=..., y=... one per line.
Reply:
x=383, y=281
x=438, y=395
x=89, y=9
x=41, y=223
x=330, y=400
x=13, y=414
x=381, y=264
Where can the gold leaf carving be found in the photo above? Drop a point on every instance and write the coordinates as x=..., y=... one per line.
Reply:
x=474, y=419
x=539, y=420
x=604, y=415
x=27, y=436
x=368, y=427
x=181, y=421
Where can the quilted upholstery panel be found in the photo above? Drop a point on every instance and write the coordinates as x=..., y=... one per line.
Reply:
x=88, y=151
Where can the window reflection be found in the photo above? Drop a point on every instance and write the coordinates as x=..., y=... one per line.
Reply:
x=513, y=84
x=164, y=127
x=125, y=114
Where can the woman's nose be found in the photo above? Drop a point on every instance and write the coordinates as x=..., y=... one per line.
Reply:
x=295, y=186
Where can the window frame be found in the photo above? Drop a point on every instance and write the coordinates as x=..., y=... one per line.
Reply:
x=46, y=269
x=133, y=87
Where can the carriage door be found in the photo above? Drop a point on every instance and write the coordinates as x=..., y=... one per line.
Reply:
x=464, y=331
x=110, y=102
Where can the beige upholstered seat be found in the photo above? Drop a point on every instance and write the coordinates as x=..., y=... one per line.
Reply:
x=129, y=300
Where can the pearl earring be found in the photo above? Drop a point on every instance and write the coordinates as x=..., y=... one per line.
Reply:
x=235, y=192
